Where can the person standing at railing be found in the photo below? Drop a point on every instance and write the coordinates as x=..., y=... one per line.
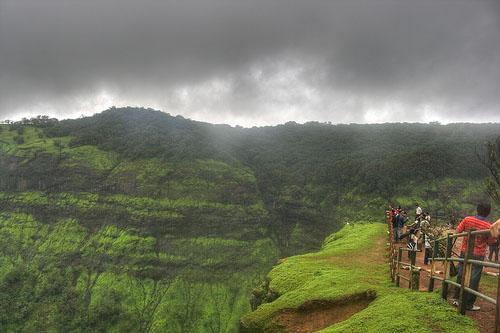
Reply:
x=477, y=222
x=418, y=211
x=412, y=243
x=428, y=249
x=394, y=215
x=401, y=221
x=493, y=248
x=495, y=234
x=495, y=229
x=425, y=226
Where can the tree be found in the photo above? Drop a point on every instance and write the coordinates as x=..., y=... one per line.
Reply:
x=151, y=294
x=491, y=160
x=186, y=314
x=59, y=146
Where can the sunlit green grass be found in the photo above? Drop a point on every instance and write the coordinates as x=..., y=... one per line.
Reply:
x=405, y=311
x=36, y=142
x=351, y=263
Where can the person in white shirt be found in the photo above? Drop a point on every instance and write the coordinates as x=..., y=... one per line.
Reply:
x=418, y=211
x=428, y=249
x=425, y=224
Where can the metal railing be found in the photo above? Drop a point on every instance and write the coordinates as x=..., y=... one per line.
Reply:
x=466, y=262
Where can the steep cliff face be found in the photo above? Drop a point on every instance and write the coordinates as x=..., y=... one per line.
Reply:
x=189, y=198
x=345, y=288
x=174, y=244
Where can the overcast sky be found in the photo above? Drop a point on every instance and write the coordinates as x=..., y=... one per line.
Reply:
x=253, y=62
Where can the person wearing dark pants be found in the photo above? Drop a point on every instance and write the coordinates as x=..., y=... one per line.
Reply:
x=401, y=221
x=475, y=277
x=427, y=255
x=395, y=229
x=493, y=249
x=477, y=222
x=428, y=249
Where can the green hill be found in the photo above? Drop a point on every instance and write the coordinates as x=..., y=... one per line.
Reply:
x=135, y=220
x=345, y=287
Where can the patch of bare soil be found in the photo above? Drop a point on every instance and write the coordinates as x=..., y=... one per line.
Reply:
x=484, y=318
x=316, y=315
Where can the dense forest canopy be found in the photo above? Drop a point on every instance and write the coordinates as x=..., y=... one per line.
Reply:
x=379, y=156
x=135, y=220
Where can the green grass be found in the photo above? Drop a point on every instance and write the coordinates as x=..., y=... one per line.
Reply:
x=351, y=263
x=36, y=142
x=488, y=285
x=214, y=252
x=140, y=206
x=90, y=156
x=206, y=180
x=405, y=311
x=144, y=203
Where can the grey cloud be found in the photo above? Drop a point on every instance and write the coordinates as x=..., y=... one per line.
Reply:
x=254, y=62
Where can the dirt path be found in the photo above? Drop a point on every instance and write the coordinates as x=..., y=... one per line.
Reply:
x=484, y=318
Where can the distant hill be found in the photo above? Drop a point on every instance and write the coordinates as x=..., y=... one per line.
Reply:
x=301, y=173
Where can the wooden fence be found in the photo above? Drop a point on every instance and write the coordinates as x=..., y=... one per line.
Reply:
x=397, y=263
x=398, y=267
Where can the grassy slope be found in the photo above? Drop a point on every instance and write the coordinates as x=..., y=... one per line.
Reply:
x=336, y=272
x=36, y=142
x=194, y=188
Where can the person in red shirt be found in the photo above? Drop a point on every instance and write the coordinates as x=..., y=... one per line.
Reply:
x=477, y=222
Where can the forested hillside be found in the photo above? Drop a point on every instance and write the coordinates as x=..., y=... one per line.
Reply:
x=135, y=220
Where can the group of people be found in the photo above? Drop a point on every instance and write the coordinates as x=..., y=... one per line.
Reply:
x=418, y=229
x=421, y=228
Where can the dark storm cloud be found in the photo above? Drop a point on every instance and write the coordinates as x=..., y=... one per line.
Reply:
x=254, y=62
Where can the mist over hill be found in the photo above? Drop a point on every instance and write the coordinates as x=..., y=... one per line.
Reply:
x=136, y=220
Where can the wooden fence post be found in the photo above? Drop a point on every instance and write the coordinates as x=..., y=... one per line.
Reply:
x=414, y=273
x=391, y=247
x=391, y=232
x=400, y=252
x=433, y=265
x=497, y=314
x=393, y=265
x=447, y=255
x=466, y=271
